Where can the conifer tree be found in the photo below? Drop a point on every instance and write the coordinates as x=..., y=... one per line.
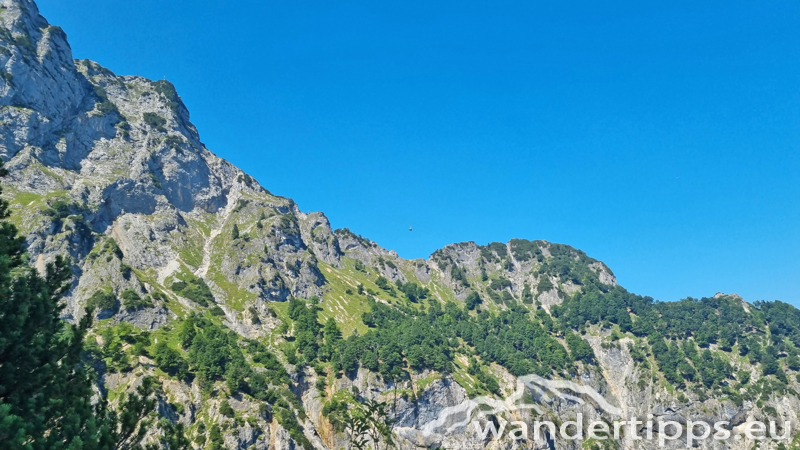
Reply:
x=45, y=391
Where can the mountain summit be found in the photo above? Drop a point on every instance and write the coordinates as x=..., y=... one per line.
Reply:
x=264, y=326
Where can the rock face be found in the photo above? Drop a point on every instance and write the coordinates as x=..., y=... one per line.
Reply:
x=109, y=170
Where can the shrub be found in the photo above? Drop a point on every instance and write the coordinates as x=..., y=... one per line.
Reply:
x=544, y=284
x=241, y=204
x=131, y=300
x=216, y=311
x=500, y=284
x=102, y=301
x=287, y=224
x=155, y=121
x=226, y=410
x=111, y=246
x=173, y=142
x=195, y=290
x=382, y=283
x=473, y=300
x=167, y=89
x=170, y=361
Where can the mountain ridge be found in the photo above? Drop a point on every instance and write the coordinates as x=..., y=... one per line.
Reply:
x=165, y=236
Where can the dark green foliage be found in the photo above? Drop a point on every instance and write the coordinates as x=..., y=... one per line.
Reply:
x=174, y=143
x=214, y=354
x=45, y=395
x=195, y=290
x=382, y=283
x=472, y=300
x=306, y=327
x=45, y=391
x=743, y=376
x=459, y=274
x=412, y=290
x=215, y=441
x=366, y=422
x=102, y=301
x=225, y=409
x=240, y=205
x=579, y=348
x=708, y=320
x=58, y=210
x=288, y=224
x=494, y=251
x=155, y=121
x=235, y=232
x=568, y=263
x=104, y=106
x=793, y=363
x=524, y=250
x=544, y=284
x=499, y=284
x=170, y=361
x=167, y=89
x=216, y=311
x=274, y=370
x=246, y=179
x=358, y=265
x=131, y=300
x=155, y=180
x=527, y=295
x=212, y=351
x=783, y=320
x=125, y=270
x=427, y=339
x=111, y=246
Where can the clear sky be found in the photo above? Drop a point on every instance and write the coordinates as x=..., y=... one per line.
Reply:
x=660, y=137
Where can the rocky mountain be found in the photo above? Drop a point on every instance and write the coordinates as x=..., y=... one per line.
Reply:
x=260, y=322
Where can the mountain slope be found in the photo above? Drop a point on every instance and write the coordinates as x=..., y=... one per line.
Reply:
x=173, y=247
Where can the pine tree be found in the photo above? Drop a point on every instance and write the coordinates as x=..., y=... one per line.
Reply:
x=45, y=395
x=45, y=392
x=235, y=232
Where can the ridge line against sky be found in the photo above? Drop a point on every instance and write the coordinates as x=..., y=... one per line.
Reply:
x=660, y=139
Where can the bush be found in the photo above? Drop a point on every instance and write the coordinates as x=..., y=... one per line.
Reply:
x=473, y=300
x=102, y=301
x=167, y=89
x=382, y=283
x=216, y=311
x=155, y=121
x=544, y=284
x=500, y=284
x=112, y=247
x=195, y=290
x=173, y=142
x=170, y=361
x=58, y=210
x=226, y=410
x=131, y=300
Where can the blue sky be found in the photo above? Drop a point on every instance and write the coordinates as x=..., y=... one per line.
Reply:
x=662, y=139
